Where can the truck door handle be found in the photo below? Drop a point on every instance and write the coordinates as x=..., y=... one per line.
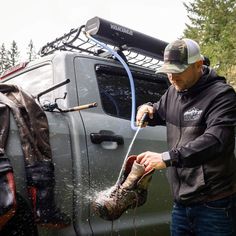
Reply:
x=98, y=138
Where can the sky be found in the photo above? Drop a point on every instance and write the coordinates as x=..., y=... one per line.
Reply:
x=44, y=20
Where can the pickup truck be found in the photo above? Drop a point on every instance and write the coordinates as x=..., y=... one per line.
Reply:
x=89, y=145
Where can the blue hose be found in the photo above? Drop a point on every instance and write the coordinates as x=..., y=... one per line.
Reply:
x=131, y=80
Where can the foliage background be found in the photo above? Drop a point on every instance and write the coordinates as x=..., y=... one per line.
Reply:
x=213, y=26
x=11, y=57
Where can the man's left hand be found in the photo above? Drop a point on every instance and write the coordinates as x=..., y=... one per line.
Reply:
x=151, y=160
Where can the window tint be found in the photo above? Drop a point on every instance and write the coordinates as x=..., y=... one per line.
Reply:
x=115, y=89
x=35, y=81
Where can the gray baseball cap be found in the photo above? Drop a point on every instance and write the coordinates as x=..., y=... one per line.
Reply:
x=179, y=54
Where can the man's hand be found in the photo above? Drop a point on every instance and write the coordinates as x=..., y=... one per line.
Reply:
x=141, y=111
x=151, y=160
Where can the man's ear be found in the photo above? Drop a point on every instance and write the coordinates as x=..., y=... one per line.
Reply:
x=199, y=65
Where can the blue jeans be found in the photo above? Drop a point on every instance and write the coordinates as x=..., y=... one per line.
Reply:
x=215, y=218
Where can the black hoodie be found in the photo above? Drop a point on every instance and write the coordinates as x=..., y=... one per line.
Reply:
x=200, y=130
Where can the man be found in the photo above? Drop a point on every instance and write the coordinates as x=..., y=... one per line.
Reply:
x=199, y=110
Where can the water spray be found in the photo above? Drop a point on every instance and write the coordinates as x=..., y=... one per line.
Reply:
x=142, y=121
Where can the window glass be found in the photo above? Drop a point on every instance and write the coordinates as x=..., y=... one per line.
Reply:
x=115, y=89
x=35, y=81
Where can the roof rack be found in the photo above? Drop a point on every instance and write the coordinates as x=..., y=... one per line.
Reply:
x=137, y=48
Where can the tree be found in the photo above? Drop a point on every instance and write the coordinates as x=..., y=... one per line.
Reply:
x=4, y=60
x=31, y=51
x=213, y=26
x=13, y=54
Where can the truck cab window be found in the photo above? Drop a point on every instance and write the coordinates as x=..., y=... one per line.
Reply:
x=35, y=81
x=115, y=92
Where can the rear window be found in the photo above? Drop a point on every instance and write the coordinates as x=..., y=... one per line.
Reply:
x=35, y=81
x=115, y=92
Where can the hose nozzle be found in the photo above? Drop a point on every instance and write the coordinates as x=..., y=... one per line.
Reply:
x=144, y=118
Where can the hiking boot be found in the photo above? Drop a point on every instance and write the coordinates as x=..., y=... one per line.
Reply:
x=130, y=192
x=45, y=211
x=7, y=197
x=111, y=204
x=142, y=187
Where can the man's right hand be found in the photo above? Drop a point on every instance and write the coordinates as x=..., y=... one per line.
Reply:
x=141, y=111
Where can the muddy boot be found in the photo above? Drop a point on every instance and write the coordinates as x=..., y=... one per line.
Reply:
x=111, y=204
x=142, y=187
x=7, y=197
x=140, y=184
x=135, y=174
x=41, y=191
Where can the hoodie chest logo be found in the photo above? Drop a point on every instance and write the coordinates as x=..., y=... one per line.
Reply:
x=192, y=114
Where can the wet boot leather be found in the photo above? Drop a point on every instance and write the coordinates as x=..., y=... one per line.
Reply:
x=130, y=192
x=7, y=197
x=142, y=187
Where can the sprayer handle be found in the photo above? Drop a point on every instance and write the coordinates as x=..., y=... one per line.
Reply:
x=144, y=119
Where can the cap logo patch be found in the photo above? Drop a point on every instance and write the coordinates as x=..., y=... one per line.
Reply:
x=176, y=53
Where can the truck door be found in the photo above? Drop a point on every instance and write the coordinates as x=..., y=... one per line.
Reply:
x=108, y=85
